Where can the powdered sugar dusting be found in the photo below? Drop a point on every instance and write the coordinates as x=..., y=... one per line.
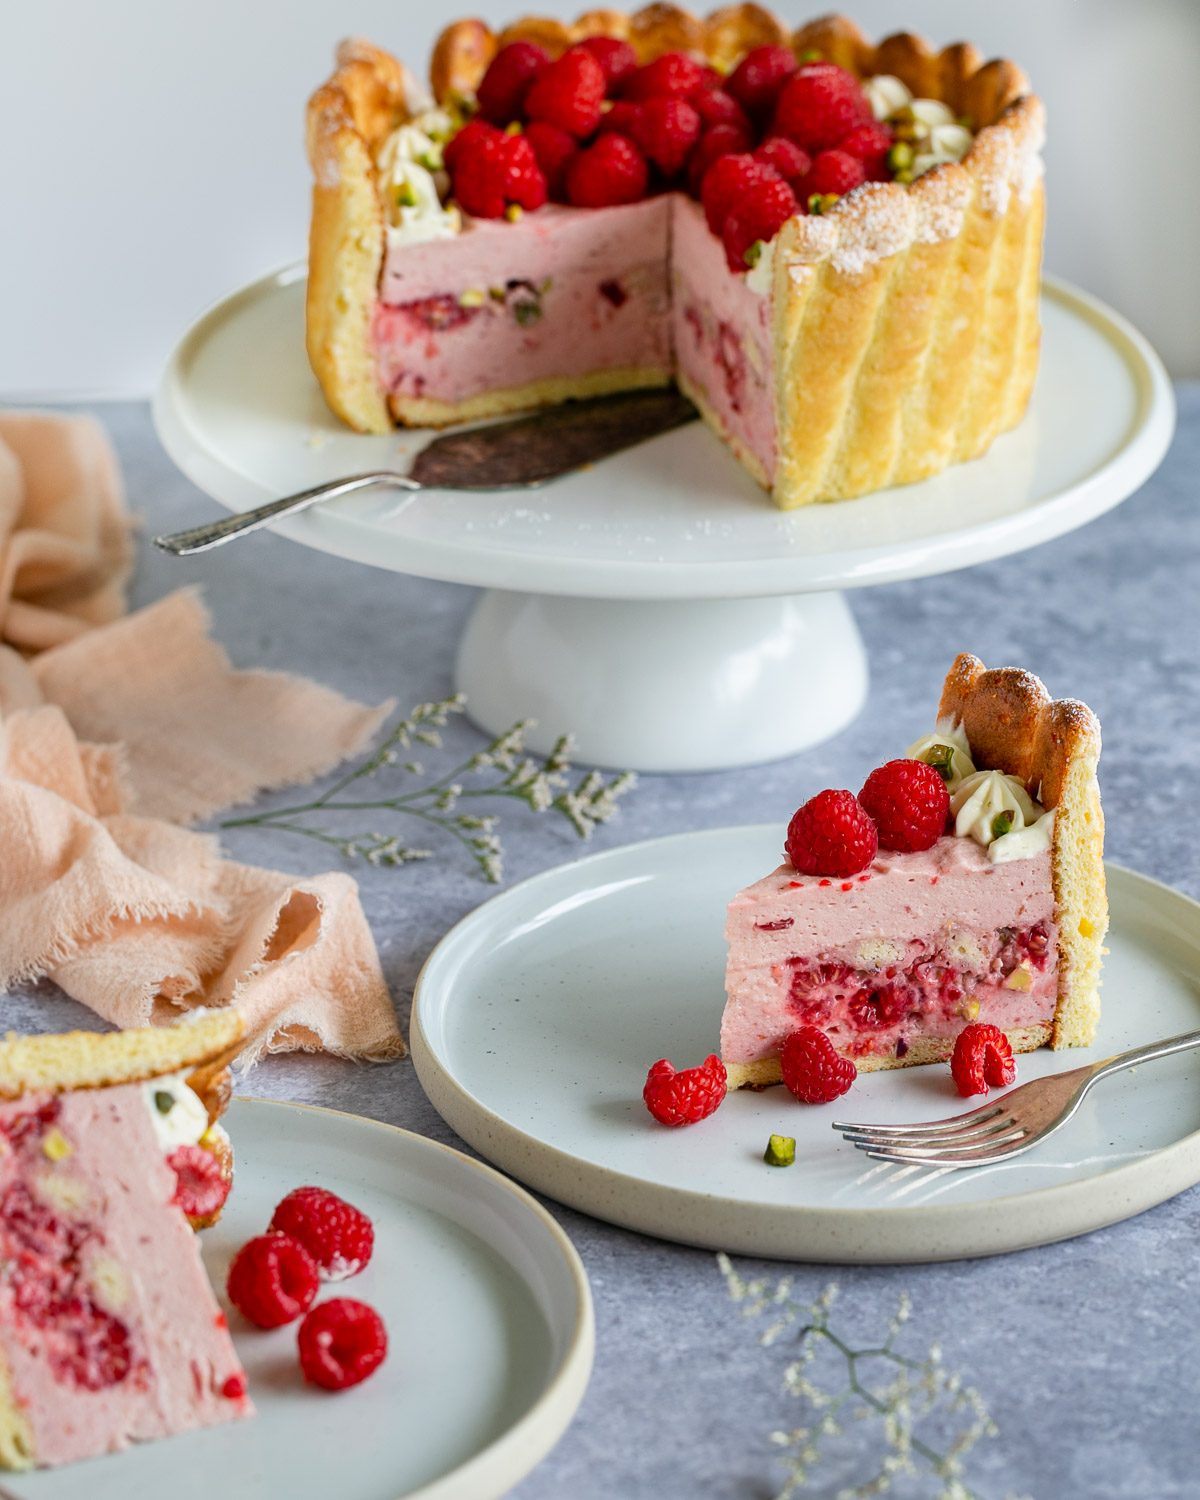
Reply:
x=878, y=222
x=941, y=198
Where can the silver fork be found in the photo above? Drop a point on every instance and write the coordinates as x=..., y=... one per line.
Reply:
x=1005, y=1126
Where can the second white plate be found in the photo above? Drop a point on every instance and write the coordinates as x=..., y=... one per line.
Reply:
x=536, y=1018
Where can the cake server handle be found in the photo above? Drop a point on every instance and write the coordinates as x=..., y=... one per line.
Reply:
x=217, y=533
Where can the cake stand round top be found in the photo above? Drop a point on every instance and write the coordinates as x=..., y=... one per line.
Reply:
x=677, y=518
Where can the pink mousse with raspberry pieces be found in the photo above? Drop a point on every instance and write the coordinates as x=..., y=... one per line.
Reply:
x=109, y=1330
x=913, y=948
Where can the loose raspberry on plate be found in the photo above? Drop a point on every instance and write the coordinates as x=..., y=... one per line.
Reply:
x=727, y=181
x=272, y=1279
x=684, y=1098
x=667, y=128
x=757, y=80
x=789, y=160
x=982, y=1059
x=201, y=1187
x=909, y=803
x=610, y=170
x=508, y=79
x=568, y=93
x=672, y=73
x=338, y=1236
x=832, y=834
x=341, y=1343
x=819, y=105
x=617, y=58
x=555, y=150
x=832, y=172
x=813, y=1070
x=716, y=107
x=871, y=144
x=756, y=219
x=717, y=141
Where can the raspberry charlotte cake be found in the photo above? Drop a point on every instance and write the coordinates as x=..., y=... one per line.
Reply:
x=852, y=302
x=109, y=1330
x=965, y=883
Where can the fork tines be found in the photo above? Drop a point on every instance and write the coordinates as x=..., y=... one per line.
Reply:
x=984, y=1134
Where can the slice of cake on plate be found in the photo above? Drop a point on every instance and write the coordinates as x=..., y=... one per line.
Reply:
x=965, y=883
x=832, y=245
x=109, y=1330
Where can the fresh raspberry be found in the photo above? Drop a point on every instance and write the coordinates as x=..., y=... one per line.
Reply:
x=871, y=144
x=672, y=73
x=466, y=140
x=272, y=1279
x=757, y=80
x=813, y=1070
x=832, y=172
x=611, y=170
x=667, y=129
x=727, y=181
x=492, y=170
x=201, y=1187
x=756, y=219
x=623, y=118
x=789, y=160
x=819, y=104
x=617, y=58
x=982, y=1059
x=832, y=834
x=716, y=107
x=909, y=803
x=716, y=141
x=555, y=150
x=341, y=1343
x=684, y=1098
x=568, y=93
x=338, y=1236
x=508, y=79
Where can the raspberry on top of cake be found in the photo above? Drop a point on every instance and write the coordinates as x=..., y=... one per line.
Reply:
x=964, y=883
x=832, y=246
x=109, y=1153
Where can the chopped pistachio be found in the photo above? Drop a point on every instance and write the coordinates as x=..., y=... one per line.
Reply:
x=513, y=212
x=406, y=195
x=513, y=128
x=900, y=156
x=812, y=54
x=164, y=1101
x=544, y=285
x=527, y=312
x=472, y=297
x=497, y=293
x=754, y=254
x=821, y=203
x=56, y=1146
x=1021, y=977
x=432, y=159
x=1002, y=823
x=781, y=1151
x=941, y=758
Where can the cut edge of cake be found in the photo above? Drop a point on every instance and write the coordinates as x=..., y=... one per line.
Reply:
x=1052, y=746
x=917, y=273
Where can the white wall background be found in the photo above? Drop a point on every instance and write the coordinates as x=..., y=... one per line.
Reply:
x=152, y=156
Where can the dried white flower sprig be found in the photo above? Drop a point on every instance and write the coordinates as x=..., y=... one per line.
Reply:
x=877, y=1382
x=500, y=769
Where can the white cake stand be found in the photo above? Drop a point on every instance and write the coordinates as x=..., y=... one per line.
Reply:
x=657, y=604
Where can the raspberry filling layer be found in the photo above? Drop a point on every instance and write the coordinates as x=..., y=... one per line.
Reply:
x=915, y=947
x=561, y=294
x=109, y=1331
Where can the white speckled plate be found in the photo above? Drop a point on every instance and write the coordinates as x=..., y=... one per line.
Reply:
x=536, y=1018
x=489, y=1320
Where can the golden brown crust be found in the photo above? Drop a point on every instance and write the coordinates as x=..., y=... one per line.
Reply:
x=1053, y=746
x=89, y=1060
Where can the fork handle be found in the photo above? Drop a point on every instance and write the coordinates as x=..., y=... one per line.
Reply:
x=216, y=533
x=1149, y=1053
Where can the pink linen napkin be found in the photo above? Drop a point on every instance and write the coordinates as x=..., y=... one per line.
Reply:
x=116, y=734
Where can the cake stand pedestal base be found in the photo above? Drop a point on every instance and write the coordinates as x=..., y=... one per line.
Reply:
x=680, y=686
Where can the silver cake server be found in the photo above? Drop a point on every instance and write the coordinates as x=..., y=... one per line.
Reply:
x=500, y=456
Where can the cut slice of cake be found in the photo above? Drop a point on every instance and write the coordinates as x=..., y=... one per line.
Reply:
x=858, y=309
x=109, y=1331
x=1000, y=919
